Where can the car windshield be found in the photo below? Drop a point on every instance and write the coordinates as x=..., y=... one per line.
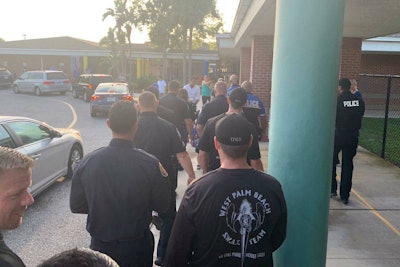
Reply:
x=56, y=76
x=116, y=89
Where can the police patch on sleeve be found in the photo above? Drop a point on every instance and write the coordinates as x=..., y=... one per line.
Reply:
x=162, y=170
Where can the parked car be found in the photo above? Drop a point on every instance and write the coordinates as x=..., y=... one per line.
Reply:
x=42, y=81
x=87, y=83
x=56, y=151
x=107, y=94
x=6, y=77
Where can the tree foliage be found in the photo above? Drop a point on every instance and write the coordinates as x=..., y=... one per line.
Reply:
x=175, y=24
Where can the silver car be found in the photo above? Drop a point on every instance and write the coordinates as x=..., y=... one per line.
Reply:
x=56, y=151
x=39, y=82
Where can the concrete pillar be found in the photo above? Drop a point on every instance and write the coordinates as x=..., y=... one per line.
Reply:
x=304, y=89
x=245, y=64
x=351, y=58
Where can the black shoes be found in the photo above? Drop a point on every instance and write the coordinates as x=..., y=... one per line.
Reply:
x=343, y=199
x=158, y=261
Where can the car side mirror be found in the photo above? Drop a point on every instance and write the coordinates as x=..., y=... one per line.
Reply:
x=54, y=134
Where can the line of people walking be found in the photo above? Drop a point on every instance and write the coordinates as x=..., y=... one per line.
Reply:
x=232, y=215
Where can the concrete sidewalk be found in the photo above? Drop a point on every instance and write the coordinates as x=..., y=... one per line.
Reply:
x=366, y=232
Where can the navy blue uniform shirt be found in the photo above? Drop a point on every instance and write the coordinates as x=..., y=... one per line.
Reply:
x=206, y=143
x=159, y=138
x=214, y=108
x=118, y=186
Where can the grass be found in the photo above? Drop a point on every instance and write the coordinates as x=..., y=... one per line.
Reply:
x=371, y=136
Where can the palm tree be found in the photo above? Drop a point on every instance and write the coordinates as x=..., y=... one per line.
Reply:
x=124, y=19
x=192, y=15
x=111, y=43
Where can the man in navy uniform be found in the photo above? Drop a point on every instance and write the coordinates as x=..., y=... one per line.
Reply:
x=180, y=109
x=254, y=111
x=208, y=155
x=349, y=112
x=161, y=139
x=233, y=216
x=119, y=186
x=214, y=108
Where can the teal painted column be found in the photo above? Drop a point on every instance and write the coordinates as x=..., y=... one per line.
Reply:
x=304, y=88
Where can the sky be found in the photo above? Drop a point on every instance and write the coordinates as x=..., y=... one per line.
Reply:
x=82, y=19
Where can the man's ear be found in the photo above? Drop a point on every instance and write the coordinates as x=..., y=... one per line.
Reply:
x=108, y=123
x=216, y=143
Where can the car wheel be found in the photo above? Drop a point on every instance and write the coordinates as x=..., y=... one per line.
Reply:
x=37, y=91
x=93, y=114
x=86, y=96
x=16, y=89
x=75, y=157
x=74, y=93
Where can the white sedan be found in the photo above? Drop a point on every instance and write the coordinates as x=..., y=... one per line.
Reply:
x=56, y=151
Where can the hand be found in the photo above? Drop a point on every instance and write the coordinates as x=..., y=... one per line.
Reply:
x=190, y=179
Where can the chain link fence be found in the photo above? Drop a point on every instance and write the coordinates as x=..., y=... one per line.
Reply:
x=380, y=132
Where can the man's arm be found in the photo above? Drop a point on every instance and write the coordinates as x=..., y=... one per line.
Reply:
x=203, y=160
x=278, y=234
x=179, y=247
x=189, y=127
x=200, y=128
x=186, y=162
x=262, y=121
x=161, y=192
x=77, y=197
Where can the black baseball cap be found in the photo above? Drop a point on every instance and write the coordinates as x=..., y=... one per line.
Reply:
x=238, y=95
x=233, y=130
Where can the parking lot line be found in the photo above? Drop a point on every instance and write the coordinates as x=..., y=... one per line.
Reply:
x=74, y=116
x=376, y=213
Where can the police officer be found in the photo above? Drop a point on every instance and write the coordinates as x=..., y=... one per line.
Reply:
x=254, y=111
x=233, y=216
x=163, y=112
x=148, y=138
x=208, y=155
x=349, y=113
x=214, y=108
x=233, y=82
x=180, y=108
x=119, y=186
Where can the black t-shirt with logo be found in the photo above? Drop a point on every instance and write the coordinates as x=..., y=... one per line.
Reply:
x=206, y=143
x=229, y=218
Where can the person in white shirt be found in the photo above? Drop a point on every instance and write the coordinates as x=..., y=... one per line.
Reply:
x=161, y=85
x=193, y=91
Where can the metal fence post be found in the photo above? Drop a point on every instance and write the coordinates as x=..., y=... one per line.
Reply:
x=385, y=122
